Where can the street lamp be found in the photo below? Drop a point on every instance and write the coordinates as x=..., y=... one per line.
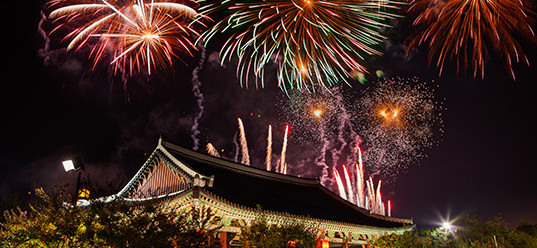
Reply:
x=77, y=165
x=68, y=165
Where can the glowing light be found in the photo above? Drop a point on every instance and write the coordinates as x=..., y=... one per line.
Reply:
x=318, y=112
x=447, y=225
x=313, y=43
x=68, y=165
x=84, y=193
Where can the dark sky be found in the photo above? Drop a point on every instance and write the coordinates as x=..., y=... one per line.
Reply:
x=485, y=163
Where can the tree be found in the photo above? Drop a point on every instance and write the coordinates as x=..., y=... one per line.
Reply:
x=51, y=222
x=262, y=235
x=491, y=233
x=407, y=239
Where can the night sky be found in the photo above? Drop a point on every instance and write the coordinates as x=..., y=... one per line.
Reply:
x=485, y=163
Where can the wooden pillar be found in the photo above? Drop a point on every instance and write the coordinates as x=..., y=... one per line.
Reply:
x=211, y=241
x=223, y=240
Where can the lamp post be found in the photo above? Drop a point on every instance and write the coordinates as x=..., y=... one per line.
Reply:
x=70, y=165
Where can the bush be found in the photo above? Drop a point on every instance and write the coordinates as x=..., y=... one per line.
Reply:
x=405, y=240
x=50, y=222
x=262, y=235
x=473, y=233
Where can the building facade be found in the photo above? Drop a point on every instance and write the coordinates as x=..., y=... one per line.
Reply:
x=177, y=178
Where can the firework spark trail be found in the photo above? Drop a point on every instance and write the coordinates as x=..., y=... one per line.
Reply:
x=318, y=42
x=212, y=150
x=465, y=31
x=196, y=89
x=244, y=146
x=283, y=165
x=389, y=208
x=360, y=180
x=44, y=52
x=130, y=35
x=378, y=199
x=268, y=160
x=340, y=186
x=349, y=185
x=371, y=194
x=237, y=147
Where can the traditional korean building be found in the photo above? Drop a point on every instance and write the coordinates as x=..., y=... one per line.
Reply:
x=178, y=178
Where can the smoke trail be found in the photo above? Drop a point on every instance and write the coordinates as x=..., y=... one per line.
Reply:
x=349, y=186
x=196, y=89
x=268, y=160
x=44, y=52
x=236, y=145
x=283, y=165
x=244, y=146
x=344, y=120
x=212, y=150
x=326, y=180
x=340, y=185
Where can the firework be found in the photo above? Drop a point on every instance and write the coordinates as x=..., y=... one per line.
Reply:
x=360, y=196
x=309, y=113
x=468, y=30
x=322, y=120
x=268, y=160
x=389, y=208
x=283, y=165
x=340, y=186
x=349, y=185
x=244, y=145
x=131, y=35
x=371, y=199
x=212, y=150
x=397, y=119
x=378, y=198
x=312, y=42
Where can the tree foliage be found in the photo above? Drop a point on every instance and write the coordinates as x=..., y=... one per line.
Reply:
x=472, y=233
x=51, y=222
x=260, y=234
x=407, y=239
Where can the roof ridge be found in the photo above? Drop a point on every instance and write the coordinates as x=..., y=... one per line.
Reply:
x=241, y=168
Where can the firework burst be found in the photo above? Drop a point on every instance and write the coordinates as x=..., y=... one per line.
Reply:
x=313, y=42
x=397, y=119
x=468, y=30
x=308, y=113
x=131, y=35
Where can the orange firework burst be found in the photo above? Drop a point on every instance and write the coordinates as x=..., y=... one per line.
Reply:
x=465, y=30
x=131, y=34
